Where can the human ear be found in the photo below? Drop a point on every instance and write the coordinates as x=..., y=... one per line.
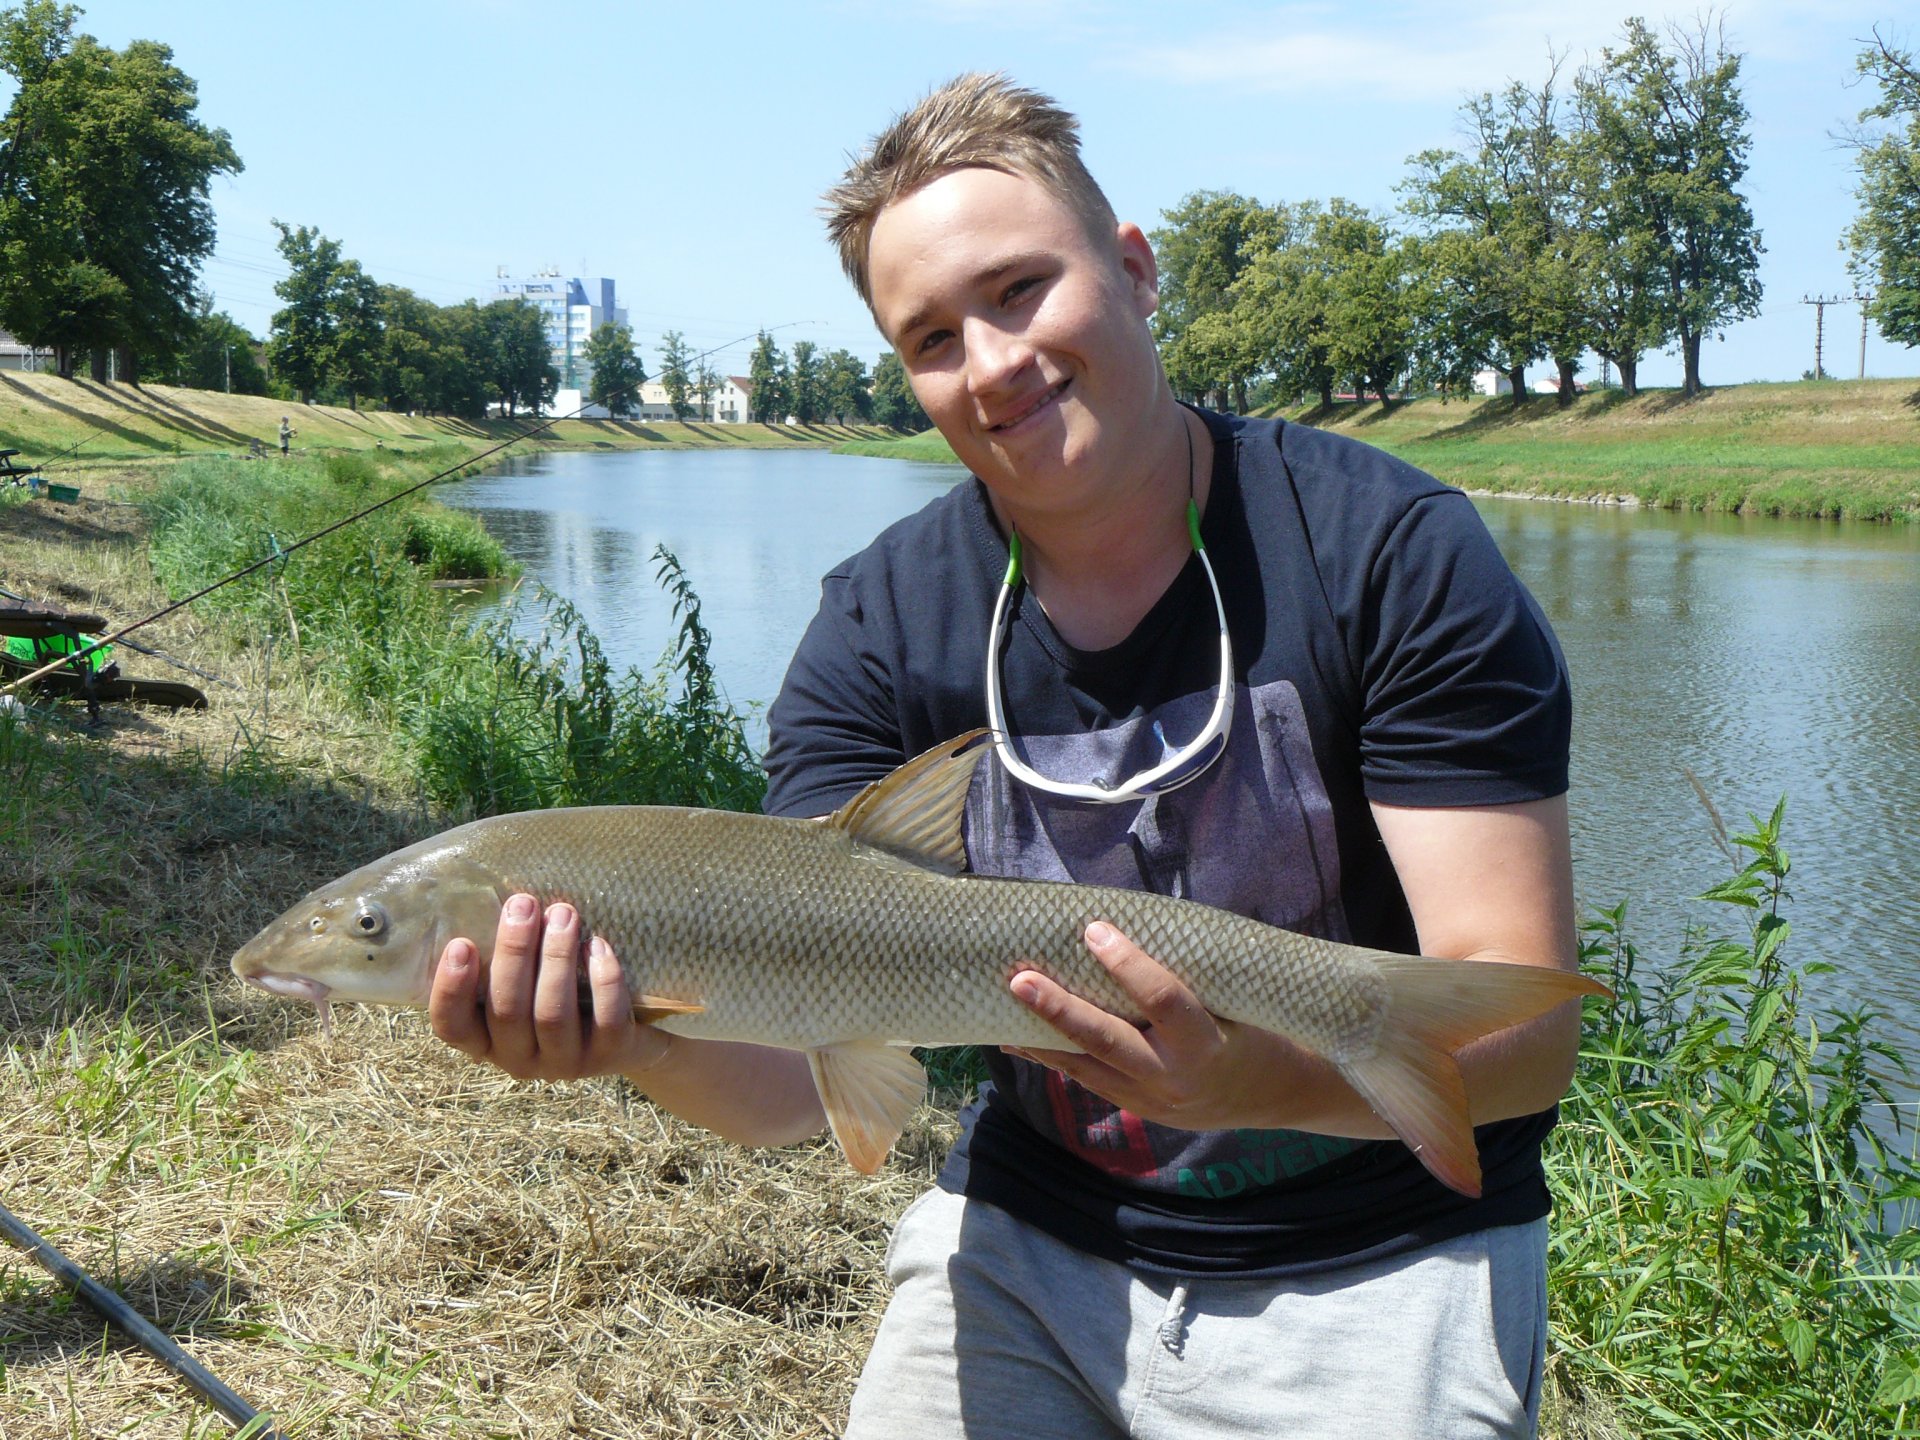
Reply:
x=1141, y=269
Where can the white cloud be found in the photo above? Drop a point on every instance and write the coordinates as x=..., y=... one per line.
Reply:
x=1418, y=53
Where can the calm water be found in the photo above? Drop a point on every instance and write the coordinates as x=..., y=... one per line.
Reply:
x=1767, y=657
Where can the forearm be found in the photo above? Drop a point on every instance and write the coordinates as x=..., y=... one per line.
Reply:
x=750, y=1094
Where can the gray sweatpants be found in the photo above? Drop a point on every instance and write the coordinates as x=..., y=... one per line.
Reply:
x=999, y=1332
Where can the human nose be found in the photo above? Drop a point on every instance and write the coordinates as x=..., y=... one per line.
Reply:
x=994, y=355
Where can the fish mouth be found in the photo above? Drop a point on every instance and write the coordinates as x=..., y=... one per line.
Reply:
x=297, y=987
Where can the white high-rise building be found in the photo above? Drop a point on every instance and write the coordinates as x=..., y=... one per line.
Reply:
x=572, y=309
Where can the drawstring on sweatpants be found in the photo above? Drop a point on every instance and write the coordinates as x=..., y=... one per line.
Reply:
x=1174, y=1323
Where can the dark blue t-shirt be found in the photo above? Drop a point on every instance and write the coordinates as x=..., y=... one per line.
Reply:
x=1383, y=651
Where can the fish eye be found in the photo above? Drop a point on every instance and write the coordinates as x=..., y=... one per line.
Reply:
x=369, y=919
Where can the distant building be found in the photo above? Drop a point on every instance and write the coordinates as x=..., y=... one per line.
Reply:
x=730, y=403
x=17, y=355
x=572, y=309
x=1492, y=382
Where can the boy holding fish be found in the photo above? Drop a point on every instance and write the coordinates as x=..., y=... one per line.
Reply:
x=1234, y=661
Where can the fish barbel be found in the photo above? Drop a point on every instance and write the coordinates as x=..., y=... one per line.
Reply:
x=853, y=936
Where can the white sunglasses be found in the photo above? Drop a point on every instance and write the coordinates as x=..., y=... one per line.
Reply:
x=1174, y=769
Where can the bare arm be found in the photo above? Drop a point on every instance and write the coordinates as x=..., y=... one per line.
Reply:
x=1484, y=883
x=527, y=1021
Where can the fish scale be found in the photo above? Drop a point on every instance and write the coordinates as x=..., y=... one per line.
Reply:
x=855, y=935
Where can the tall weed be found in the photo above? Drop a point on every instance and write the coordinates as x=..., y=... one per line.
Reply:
x=1729, y=1258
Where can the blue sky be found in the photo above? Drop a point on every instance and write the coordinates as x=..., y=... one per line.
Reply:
x=681, y=149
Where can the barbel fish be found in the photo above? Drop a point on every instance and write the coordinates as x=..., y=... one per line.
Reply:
x=857, y=935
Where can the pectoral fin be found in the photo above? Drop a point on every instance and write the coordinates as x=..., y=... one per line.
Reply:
x=869, y=1092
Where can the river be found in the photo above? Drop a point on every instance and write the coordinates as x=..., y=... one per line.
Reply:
x=1765, y=657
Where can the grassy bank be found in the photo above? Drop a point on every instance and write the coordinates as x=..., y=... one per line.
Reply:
x=374, y=1237
x=106, y=425
x=1827, y=449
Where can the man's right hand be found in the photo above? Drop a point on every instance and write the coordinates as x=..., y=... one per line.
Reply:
x=524, y=1014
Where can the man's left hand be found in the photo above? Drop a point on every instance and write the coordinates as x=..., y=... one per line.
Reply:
x=1182, y=1066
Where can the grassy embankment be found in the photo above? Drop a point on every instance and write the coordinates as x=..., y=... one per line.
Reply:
x=111, y=425
x=374, y=1237
x=1828, y=449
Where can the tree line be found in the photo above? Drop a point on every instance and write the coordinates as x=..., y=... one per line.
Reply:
x=1598, y=213
x=1602, y=215
x=811, y=387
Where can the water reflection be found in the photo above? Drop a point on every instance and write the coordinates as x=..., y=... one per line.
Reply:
x=1765, y=657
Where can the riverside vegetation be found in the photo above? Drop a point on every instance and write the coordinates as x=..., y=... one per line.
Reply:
x=372, y=1236
x=1827, y=449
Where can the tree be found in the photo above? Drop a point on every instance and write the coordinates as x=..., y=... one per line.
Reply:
x=676, y=377
x=1671, y=127
x=518, y=362
x=805, y=388
x=706, y=384
x=617, y=371
x=844, y=388
x=1209, y=240
x=218, y=355
x=767, y=373
x=894, y=403
x=300, y=340
x=1620, y=274
x=1883, y=242
x=104, y=172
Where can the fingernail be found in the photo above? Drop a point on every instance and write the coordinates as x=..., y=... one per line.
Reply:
x=459, y=957
x=560, y=913
x=600, y=958
x=1025, y=989
x=1100, y=935
x=520, y=908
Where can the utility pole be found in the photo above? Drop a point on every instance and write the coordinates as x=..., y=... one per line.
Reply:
x=1820, y=303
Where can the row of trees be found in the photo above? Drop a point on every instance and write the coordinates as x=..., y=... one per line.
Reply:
x=104, y=173
x=343, y=336
x=1603, y=216
x=812, y=387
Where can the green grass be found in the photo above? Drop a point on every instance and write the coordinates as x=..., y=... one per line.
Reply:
x=1732, y=1250
x=1832, y=449
x=928, y=445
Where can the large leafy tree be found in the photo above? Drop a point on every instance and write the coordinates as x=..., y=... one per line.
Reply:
x=894, y=403
x=767, y=373
x=518, y=361
x=844, y=387
x=328, y=333
x=676, y=372
x=1671, y=127
x=104, y=172
x=1208, y=241
x=1884, y=240
x=617, y=371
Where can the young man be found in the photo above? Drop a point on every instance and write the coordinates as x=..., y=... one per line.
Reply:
x=1343, y=716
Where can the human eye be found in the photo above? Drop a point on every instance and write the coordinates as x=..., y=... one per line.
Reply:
x=1020, y=289
x=931, y=341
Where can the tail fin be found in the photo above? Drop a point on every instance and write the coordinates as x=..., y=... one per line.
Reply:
x=1433, y=1008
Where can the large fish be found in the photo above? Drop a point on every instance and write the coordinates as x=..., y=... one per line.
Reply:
x=854, y=936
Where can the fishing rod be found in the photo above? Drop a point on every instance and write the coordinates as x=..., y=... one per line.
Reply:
x=148, y=1336
x=280, y=552
x=173, y=660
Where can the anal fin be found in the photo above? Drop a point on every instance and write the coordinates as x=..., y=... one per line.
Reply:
x=869, y=1091
x=649, y=1008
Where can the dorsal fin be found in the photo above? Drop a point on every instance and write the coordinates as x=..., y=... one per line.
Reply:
x=914, y=813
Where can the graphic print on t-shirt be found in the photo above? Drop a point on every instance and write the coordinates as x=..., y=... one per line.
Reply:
x=1254, y=835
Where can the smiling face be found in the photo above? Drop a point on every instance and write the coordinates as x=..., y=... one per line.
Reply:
x=1024, y=337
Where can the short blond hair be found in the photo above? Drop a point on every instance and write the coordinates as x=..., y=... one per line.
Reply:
x=973, y=122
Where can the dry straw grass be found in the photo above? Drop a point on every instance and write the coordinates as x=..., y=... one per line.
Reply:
x=367, y=1235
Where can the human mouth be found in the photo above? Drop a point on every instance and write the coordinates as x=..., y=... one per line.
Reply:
x=1040, y=402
